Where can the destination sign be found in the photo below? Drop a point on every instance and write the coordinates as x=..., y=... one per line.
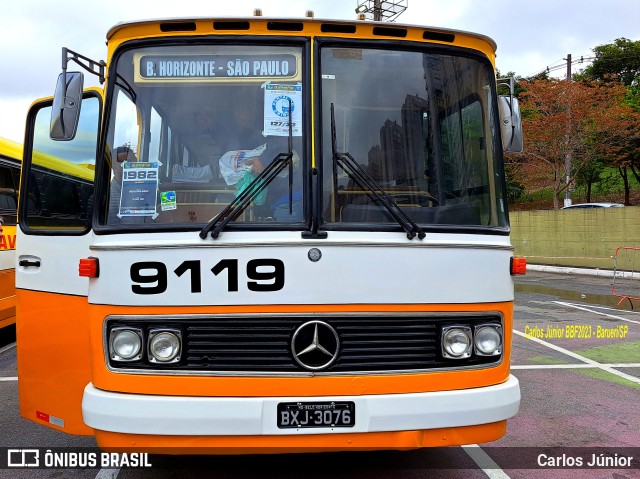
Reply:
x=204, y=67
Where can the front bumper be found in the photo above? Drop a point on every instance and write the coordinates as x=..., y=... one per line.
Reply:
x=242, y=416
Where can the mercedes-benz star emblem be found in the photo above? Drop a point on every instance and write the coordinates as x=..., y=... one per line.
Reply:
x=315, y=345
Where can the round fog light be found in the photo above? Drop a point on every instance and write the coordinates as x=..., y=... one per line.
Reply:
x=164, y=347
x=125, y=344
x=456, y=342
x=488, y=341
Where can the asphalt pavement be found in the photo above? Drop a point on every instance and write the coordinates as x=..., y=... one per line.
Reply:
x=580, y=383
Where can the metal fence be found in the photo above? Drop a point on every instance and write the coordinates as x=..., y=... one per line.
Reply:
x=626, y=277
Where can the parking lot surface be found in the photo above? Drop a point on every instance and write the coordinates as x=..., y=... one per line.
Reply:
x=576, y=354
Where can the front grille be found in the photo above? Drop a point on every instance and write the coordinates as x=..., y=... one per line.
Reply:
x=263, y=344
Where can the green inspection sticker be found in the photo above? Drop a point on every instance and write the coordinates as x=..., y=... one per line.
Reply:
x=168, y=200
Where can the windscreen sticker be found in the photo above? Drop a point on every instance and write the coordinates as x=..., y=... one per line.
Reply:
x=168, y=201
x=139, y=190
x=277, y=101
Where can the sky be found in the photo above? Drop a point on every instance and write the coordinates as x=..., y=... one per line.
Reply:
x=531, y=34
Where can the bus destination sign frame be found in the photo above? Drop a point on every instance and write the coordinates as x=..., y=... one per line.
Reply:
x=199, y=68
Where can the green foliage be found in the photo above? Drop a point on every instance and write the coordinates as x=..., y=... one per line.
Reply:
x=601, y=133
x=590, y=172
x=619, y=60
x=503, y=89
x=632, y=97
x=515, y=188
x=544, y=195
x=609, y=185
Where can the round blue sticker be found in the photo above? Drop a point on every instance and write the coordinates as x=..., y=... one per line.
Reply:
x=280, y=106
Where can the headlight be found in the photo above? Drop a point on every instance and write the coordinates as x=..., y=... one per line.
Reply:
x=164, y=346
x=488, y=340
x=125, y=344
x=456, y=342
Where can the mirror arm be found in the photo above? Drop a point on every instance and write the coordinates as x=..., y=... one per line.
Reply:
x=511, y=83
x=96, y=68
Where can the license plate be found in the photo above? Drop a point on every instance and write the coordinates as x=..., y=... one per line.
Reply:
x=316, y=414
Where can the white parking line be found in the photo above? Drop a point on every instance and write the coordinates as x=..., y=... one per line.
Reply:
x=582, y=308
x=11, y=378
x=591, y=362
x=108, y=473
x=572, y=366
x=484, y=462
x=8, y=347
x=597, y=306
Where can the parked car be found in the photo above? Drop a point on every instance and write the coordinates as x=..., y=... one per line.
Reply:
x=594, y=205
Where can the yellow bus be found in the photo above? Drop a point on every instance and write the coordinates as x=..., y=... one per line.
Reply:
x=10, y=163
x=10, y=155
x=291, y=235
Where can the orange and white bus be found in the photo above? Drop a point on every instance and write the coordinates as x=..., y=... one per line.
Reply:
x=10, y=155
x=289, y=235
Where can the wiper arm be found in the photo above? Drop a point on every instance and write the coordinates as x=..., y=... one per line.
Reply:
x=355, y=171
x=290, y=147
x=240, y=202
x=366, y=182
x=259, y=183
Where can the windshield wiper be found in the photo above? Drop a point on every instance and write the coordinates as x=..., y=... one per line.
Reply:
x=367, y=183
x=259, y=183
x=240, y=202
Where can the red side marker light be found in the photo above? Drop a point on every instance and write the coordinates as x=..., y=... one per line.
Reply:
x=518, y=266
x=89, y=267
x=42, y=416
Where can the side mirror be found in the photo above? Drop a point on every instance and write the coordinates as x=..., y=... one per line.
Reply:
x=66, y=106
x=510, y=123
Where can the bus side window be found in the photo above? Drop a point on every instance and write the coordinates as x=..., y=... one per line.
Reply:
x=8, y=196
x=61, y=174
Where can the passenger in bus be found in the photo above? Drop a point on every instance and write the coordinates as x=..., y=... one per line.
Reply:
x=241, y=127
x=244, y=131
x=124, y=153
x=278, y=192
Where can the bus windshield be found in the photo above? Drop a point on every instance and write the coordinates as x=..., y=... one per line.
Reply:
x=191, y=127
x=421, y=126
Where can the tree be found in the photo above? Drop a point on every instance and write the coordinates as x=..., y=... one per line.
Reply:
x=625, y=148
x=586, y=121
x=590, y=174
x=619, y=61
x=632, y=97
x=555, y=118
x=514, y=176
x=503, y=89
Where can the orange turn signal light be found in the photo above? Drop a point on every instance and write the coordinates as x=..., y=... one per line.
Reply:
x=518, y=266
x=89, y=267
